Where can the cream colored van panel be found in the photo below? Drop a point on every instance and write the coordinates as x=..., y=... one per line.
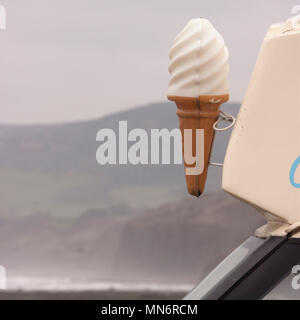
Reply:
x=266, y=139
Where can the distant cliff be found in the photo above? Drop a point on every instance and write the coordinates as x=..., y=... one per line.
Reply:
x=178, y=242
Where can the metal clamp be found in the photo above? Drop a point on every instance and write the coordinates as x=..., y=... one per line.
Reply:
x=223, y=117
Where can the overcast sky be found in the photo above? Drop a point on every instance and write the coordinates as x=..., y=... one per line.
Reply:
x=66, y=60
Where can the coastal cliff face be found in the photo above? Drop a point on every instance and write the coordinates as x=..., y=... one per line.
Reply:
x=178, y=242
x=184, y=240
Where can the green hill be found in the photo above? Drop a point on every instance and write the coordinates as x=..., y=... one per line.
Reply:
x=53, y=168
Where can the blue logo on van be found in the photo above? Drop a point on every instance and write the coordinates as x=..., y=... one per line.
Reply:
x=295, y=165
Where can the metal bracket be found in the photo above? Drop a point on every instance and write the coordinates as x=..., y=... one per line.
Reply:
x=223, y=117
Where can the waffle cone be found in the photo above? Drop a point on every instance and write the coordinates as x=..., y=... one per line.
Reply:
x=198, y=113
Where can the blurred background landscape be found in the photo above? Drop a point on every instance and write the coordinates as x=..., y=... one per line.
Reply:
x=68, y=223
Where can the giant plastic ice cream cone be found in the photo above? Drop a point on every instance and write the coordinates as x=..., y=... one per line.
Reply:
x=193, y=114
x=198, y=86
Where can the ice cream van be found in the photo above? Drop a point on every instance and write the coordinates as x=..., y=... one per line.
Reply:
x=262, y=168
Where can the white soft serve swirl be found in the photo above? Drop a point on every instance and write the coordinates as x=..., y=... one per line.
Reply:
x=198, y=61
